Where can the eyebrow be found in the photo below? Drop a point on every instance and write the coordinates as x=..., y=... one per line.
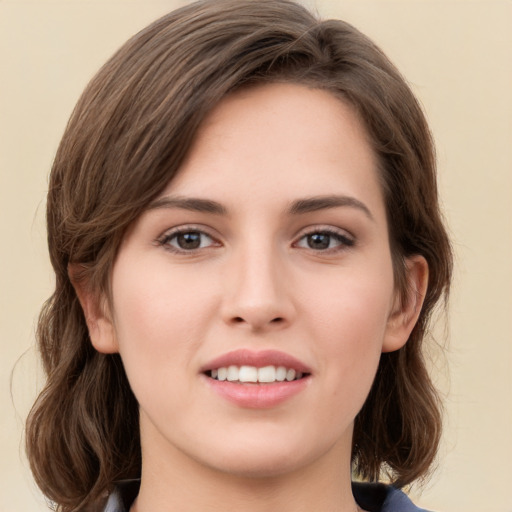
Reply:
x=189, y=203
x=298, y=207
x=313, y=204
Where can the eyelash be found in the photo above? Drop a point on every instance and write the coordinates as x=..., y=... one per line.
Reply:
x=343, y=240
x=165, y=240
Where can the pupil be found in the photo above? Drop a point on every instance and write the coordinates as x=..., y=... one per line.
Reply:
x=189, y=240
x=318, y=241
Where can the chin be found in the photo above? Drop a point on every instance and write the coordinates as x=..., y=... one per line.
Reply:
x=264, y=459
x=260, y=467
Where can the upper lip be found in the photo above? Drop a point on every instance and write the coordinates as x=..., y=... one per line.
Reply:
x=259, y=359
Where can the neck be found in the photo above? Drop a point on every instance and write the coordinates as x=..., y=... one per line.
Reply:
x=179, y=483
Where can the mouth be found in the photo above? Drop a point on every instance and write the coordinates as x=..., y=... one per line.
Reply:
x=256, y=375
x=257, y=380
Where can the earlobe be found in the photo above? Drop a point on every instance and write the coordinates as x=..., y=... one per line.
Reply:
x=96, y=311
x=406, y=310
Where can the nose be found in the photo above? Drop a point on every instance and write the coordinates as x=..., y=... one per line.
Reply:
x=258, y=292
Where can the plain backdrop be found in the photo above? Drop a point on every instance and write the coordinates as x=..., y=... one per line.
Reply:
x=457, y=55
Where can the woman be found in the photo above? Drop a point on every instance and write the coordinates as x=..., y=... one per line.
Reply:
x=244, y=225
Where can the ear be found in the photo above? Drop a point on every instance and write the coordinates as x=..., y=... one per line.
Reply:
x=96, y=311
x=405, y=312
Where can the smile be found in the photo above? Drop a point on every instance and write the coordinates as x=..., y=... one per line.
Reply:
x=256, y=379
x=265, y=374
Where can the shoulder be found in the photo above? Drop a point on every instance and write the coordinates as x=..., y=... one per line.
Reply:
x=382, y=498
x=124, y=494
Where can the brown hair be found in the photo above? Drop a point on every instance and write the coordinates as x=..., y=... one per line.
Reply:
x=126, y=139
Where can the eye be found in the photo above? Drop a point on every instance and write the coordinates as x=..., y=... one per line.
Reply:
x=187, y=240
x=324, y=240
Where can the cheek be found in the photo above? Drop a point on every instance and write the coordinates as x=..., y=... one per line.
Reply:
x=156, y=305
x=353, y=313
x=349, y=326
x=158, y=323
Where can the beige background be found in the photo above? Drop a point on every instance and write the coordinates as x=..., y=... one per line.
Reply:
x=457, y=55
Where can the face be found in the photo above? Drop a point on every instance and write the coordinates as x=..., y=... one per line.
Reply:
x=252, y=300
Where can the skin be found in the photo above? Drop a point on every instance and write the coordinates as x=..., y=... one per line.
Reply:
x=255, y=282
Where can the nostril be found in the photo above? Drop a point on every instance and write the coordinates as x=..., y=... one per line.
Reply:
x=257, y=321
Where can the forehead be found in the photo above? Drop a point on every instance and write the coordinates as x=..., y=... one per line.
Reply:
x=303, y=114
x=287, y=134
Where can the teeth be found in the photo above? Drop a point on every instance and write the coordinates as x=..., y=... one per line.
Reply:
x=280, y=373
x=290, y=374
x=248, y=374
x=266, y=374
x=233, y=373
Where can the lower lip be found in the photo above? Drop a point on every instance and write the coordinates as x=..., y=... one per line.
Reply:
x=257, y=396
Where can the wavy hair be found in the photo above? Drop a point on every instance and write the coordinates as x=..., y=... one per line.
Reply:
x=125, y=140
